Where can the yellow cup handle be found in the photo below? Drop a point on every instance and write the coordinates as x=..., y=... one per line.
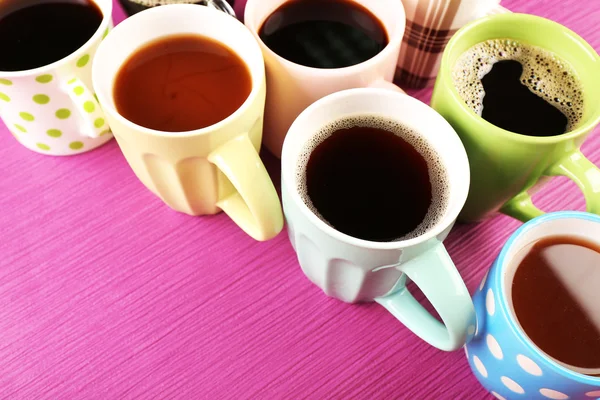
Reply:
x=255, y=206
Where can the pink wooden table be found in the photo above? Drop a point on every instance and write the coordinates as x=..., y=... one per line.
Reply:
x=106, y=293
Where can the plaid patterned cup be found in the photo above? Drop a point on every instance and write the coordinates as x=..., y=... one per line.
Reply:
x=429, y=26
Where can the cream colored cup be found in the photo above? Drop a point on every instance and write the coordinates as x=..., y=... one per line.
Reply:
x=51, y=109
x=293, y=87
x=206, y=170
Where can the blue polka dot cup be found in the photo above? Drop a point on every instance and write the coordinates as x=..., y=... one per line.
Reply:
x=504, y=360
x=53, y=109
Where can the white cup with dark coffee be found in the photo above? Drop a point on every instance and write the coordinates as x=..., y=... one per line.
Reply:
x=372, y=182
x=46, y=96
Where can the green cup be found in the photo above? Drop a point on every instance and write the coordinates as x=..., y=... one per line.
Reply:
x=507, y=168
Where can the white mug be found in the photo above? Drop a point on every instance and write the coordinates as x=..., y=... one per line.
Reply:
x=355, y=270
x=53, y=109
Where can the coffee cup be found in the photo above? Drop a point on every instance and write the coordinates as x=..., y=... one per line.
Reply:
x=201, y=171
x=520, y=334
x=51, y=109
x=357, y=270
x=291, y=86
x=508, y=167
x=429, y=26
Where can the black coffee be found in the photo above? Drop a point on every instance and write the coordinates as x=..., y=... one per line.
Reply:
x=373, y=179
x=556, y=297
x=510, y=105
x=324, y=33
x=42, y=33
x=520, y=88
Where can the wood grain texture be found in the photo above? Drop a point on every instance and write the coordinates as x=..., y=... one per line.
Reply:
x=105, y=293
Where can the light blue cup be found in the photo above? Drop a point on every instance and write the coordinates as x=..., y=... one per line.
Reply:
x=504, y=360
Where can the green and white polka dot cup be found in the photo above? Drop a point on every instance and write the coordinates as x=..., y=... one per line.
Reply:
x=52, y=109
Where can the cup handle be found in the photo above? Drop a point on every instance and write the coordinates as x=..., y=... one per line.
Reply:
x=574, y=166
x=88, y=107
x=437, y=277
x=255, y=206
x=383, y=84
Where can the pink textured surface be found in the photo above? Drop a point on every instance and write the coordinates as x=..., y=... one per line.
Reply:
x=105, y=293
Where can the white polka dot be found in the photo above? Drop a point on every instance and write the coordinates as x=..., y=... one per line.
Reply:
x=595, y=393
x=494, y=347
x=528, y=365
x=471, y=330
x=490, y=304
x=482, y=284
x=480, y=367
x=496, y=395
x=512, y=385
x=553, y=394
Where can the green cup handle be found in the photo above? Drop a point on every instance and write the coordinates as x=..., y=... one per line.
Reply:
x=437, y=277
x=574, y=166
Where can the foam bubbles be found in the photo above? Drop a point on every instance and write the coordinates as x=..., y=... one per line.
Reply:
x=440, y=186
x=544, y=74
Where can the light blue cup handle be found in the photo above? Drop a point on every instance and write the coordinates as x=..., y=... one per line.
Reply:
x=437, y=277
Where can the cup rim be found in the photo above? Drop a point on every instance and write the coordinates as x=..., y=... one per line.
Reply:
x=511, y=18
x=106, y=8
x=394, y=41
x=511, y=317
x=450, y=215
x=257, y=84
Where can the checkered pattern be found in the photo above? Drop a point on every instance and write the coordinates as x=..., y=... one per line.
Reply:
x=422, y=48
x=426, y=39
x=430, y=25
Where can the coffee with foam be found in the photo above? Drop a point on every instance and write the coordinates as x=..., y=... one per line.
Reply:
x=373, y=178
x=544, y=74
